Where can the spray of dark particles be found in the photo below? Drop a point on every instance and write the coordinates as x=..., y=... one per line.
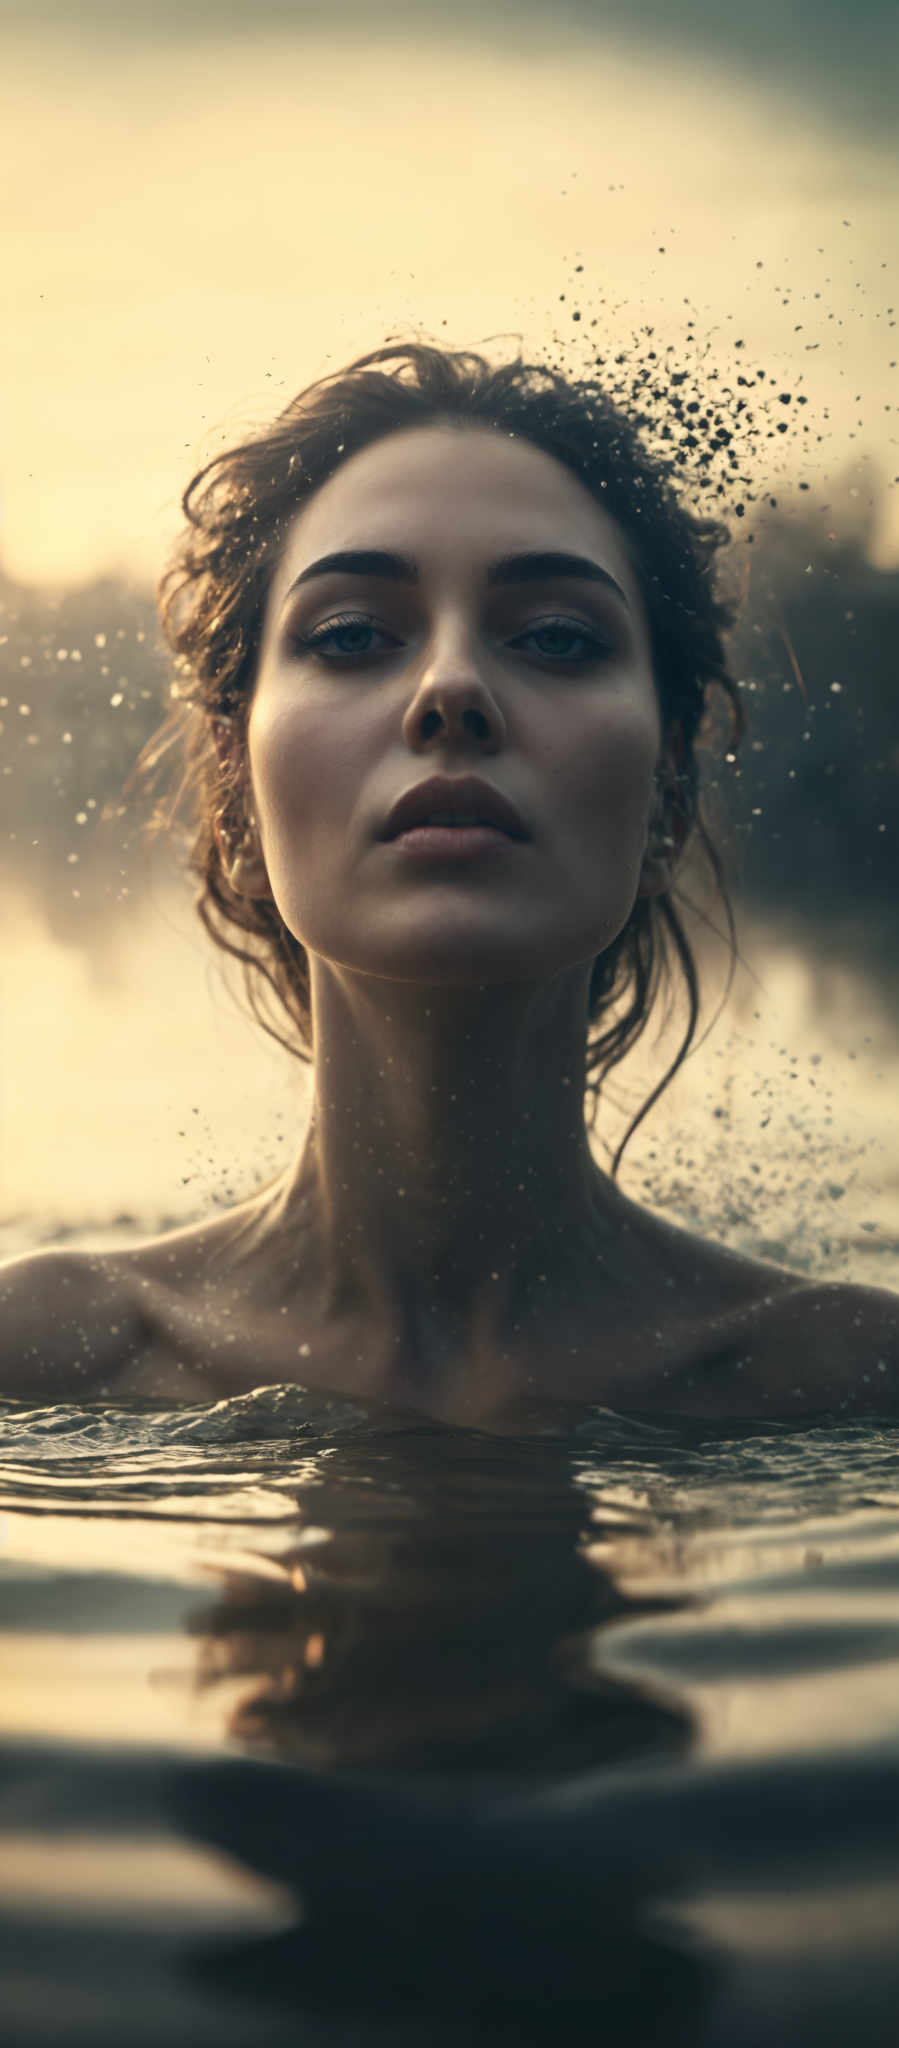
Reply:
x=806, y=814
x=725, y=434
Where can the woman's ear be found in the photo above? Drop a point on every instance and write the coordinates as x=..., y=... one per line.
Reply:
x=234, y=824
x=243, y=862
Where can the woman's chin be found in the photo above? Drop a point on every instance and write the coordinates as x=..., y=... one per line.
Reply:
x=473, y=960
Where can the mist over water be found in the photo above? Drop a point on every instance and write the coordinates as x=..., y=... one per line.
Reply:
x=144, y=1097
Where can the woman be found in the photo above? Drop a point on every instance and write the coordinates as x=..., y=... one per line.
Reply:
x=445, y=637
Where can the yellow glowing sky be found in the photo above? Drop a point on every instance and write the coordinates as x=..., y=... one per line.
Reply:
x=199, y=229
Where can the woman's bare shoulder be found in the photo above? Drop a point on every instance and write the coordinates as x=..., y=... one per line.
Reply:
x=833, y=1344
x=70, y=1316
x=748, y=1336
x=61, y=1312
x=805, y=1347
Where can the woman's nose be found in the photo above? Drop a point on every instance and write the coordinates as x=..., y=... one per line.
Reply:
x=454, y=705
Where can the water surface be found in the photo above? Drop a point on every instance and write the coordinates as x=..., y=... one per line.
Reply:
x=320, y=1723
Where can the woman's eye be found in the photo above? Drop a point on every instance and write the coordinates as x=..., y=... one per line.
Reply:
x=345, y=639
x=356, y=637
x=557, y=636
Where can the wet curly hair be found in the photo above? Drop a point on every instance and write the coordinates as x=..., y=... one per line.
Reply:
x=238, y=509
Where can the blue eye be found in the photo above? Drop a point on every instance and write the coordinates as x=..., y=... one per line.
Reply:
x=562, y=630
x=344, y=639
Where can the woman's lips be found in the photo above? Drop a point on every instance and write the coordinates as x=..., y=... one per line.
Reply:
x=454, y=800
x=451, y=842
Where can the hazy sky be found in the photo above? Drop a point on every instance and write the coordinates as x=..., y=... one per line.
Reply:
x=834, y=53
x=210, y=215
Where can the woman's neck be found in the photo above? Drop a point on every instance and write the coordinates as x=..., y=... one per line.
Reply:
x=446, y=1192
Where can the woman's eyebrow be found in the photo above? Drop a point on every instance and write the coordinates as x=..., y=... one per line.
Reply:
x=523, y=568
x=360, y=562
x=545, y=566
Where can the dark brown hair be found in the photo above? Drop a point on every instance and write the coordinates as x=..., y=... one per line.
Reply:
x=212, y=598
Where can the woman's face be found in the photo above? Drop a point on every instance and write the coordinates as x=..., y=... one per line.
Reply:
x=451, y=649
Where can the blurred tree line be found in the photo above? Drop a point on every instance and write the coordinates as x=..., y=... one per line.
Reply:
x=808, y=812
x=811, y=817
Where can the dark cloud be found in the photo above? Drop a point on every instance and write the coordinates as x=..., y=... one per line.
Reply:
x=839, y=58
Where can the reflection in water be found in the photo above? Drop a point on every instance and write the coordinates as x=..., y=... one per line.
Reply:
x=408, y=1649
x=434, y=1624
x=438, y=1621
x=504, y=1738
